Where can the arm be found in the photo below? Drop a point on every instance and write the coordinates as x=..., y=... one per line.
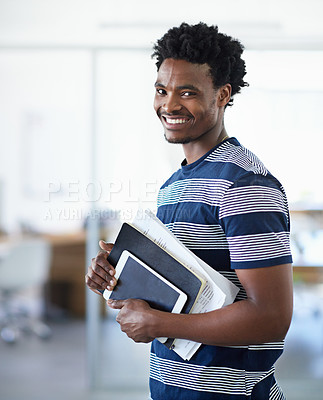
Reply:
x=264, y=316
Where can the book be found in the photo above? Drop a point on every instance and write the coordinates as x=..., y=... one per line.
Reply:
x=153, y=255
x=218, y=291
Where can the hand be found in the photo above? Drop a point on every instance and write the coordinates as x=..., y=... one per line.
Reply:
x=100, y=275
x=135, y=318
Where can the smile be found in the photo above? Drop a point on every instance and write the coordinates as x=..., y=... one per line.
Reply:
x=176, y=121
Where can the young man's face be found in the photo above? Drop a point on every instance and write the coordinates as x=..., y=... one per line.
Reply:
x=186, y=101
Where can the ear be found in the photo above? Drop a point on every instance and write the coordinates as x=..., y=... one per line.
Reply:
x=224, y=95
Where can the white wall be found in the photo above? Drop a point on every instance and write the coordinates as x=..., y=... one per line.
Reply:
x=46, y=103
x=109, y=22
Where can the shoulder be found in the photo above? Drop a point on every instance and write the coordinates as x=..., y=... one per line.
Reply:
x=236, y=160
x=241, y=166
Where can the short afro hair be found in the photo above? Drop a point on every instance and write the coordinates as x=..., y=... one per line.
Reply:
x=203, y=44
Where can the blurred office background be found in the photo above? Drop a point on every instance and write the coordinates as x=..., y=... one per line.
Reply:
x=81, y=151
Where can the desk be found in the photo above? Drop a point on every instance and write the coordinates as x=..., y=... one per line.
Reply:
x=66, y=282
x=308, y=274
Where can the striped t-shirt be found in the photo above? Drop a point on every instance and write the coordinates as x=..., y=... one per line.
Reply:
x=231, y=212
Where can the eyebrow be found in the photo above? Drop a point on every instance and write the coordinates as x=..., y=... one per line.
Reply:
x=182, y=87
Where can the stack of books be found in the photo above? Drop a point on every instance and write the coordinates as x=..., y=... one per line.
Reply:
x=153, y=265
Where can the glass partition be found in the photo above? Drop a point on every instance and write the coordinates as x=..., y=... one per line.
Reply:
x=82, y=147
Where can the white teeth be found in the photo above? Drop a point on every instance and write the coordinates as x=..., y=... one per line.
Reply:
x=175, y=121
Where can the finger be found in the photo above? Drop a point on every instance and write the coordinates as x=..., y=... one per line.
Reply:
x=95, y=286
x=102, y=258
x=96, y=271
x=99, y=267
x=101, y=261
x=102, y=267
x=105, y=246
x=100, y=280
x=116, y=304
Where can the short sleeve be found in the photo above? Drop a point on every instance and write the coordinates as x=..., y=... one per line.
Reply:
x=255, y=218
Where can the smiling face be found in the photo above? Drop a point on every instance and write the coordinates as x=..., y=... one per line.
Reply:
x=189, y=107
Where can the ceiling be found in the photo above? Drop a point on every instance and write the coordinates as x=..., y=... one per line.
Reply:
x=259, y=24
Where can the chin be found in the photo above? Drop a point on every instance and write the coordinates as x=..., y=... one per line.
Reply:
x=178, y=140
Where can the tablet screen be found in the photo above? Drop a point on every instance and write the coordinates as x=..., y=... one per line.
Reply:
x=138, y=281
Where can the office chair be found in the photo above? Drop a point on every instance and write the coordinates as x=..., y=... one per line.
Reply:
x=24, y=266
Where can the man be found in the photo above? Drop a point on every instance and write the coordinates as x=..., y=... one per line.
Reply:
x=229, y=210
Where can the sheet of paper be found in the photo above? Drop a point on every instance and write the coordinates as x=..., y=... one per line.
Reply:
x=229, y=288
x=217, y=292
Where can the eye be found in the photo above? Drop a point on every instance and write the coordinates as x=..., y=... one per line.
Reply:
x=160, y=91
x=188, y=94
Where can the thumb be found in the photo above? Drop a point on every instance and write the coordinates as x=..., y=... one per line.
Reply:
x=116, y=304
x=105, y=246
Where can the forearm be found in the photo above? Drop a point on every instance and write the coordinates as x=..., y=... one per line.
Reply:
x=241, y=323
x=264, y=316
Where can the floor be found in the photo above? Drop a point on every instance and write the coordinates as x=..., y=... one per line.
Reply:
x=35, y=369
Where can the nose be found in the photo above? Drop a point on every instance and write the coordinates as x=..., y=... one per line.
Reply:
x=171, y=103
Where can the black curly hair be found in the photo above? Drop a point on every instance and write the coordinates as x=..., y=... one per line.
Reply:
x=203, y=44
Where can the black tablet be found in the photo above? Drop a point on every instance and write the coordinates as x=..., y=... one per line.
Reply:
x=136, y=280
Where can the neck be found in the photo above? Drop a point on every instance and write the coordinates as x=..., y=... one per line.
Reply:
x=195, y=150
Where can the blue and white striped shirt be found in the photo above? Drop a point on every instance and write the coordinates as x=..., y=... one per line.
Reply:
x=230, y=211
